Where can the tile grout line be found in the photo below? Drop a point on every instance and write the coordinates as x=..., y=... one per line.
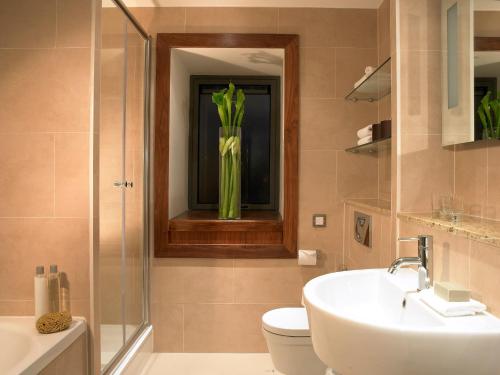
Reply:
x=54, y=176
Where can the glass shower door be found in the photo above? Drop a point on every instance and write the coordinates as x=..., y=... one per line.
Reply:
x=134, y=175
x=123, y=184
x=111, y=174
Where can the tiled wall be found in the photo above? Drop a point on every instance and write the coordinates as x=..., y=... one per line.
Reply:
x=44, y=126
x=358, y=256
x=469, y=170
x=215, y=305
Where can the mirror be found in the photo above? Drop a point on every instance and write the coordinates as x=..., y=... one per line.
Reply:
x=470, y=40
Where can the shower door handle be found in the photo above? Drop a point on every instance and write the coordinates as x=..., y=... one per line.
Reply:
x=129, y=184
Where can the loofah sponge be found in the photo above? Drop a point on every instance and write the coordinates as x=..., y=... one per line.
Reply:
x=53, y=322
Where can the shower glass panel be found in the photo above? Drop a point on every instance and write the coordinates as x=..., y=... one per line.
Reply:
x=111, y=171
x=122, y=183
x=134, y=172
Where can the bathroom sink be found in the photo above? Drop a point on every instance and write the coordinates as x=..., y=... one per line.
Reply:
x=372, y=322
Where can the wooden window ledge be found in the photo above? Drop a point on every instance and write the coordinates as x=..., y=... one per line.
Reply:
x=258, y=234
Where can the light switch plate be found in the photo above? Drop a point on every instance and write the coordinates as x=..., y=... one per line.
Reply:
x=319, y=220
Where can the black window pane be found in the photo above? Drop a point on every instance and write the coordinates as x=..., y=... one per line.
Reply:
x=260, y=145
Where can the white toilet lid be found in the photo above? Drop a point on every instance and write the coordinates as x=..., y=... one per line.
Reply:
x=288, y=321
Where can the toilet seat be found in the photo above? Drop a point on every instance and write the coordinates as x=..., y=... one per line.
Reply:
x=288, y=321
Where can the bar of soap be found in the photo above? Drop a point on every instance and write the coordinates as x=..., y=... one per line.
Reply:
x=451, y=292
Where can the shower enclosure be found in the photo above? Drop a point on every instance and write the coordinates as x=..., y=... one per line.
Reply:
x=124, y=55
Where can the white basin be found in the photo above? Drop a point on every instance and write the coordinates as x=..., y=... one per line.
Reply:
x=359, y=326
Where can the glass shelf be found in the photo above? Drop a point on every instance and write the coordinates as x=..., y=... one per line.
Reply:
x=375, y=86
x=372, y=147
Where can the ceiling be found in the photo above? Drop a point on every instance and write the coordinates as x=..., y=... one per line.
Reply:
x=231, y=61
x=257, y=3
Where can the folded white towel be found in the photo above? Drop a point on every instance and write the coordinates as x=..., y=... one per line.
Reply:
x=369, y=69
x=365, y=132
x=364, y=140
x=449, y=309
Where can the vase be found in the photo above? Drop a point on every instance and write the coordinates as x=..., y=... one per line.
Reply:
x=229, y=173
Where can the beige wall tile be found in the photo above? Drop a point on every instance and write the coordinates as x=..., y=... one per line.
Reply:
x=315, y=27
x=356, y=28
x=318, y=179
x=42, y=242
x=27, y=175
x=17, y=307
x=231, y=20
x=73, y=23
x=493, y=209
x=384, y=173
x=161, y=20
x=317, y=72
x=357, y=175
x=384, y=31
x=387, y=247
x=384, y=108
x=218, y=328
x=71, y=174
x=332, y=123
x=267, y=281
x=426, y=168
x=327, y=240
x=28, y=24
x=350, y=64
x=470, y=176
x=486, y=23
x=168, y=320
x=420, y=24
x=44, y=90
x=485, y=275
x=193, y=281
x=421, y=92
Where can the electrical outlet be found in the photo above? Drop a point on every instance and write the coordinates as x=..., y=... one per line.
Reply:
x=319, y=220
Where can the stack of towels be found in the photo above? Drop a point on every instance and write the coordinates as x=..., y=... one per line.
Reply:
x=365, y=135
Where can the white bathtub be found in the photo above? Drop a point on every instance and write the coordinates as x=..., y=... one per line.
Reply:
x=25, y=351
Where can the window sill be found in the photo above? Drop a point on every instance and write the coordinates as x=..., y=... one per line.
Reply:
x=258, y=234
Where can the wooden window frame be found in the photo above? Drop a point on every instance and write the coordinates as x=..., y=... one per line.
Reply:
x=273, y=237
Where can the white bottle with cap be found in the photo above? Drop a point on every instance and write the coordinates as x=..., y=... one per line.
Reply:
x=41, y=296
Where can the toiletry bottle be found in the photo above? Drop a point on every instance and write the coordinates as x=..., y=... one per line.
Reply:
x=53, y=282
x=41, y=296
x=64, y=303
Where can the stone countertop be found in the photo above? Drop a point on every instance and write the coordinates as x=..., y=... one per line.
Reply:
x=474, y=228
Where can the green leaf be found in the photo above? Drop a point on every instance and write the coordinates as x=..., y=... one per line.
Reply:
x=482, y=117
x=485, y=103
x=240, y=101
x=228, y=96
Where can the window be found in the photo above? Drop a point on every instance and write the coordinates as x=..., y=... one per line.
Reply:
x=260, y=142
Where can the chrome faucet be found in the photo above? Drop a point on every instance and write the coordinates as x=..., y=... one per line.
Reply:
x=423, y=261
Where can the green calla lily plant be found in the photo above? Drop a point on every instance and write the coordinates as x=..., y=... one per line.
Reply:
x=230, y=150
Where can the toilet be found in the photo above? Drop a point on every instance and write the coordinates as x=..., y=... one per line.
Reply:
x=289, y=342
